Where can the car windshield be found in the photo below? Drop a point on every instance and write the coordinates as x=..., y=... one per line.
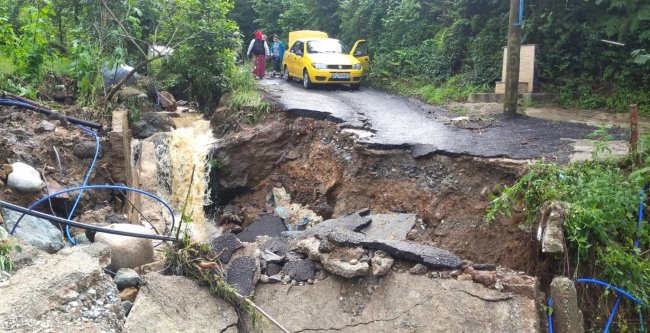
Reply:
x=324, y=46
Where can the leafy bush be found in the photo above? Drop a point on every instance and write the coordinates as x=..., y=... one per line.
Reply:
x=601, y=224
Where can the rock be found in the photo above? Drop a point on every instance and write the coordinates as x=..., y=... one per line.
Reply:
x=390, y=226
x=127, y=277
x=267, y=225
x=127, y=252
x=126, y=307
x=86, y=149
x=226, y=245
x=44, y=126
x=309, y=247
x=178, y=304
x=36, y=232
x=300, y=270
x=167, y=101
x=5, y=170
x=567, y=316
x=381, y=263
x=345, y=262
x=325, y=246
x=241, y=275
x=296, y=216
x=96, y=217
x=37, y=298
x=401, y=303
x=129, y=294
x=82, y=239
x=516, y=283
x=486, y=278
x=150, y=124
x=24, y=179
x=418, y=269
x=279, y=245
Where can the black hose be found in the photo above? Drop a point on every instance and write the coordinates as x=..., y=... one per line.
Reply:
x=57, y=219
x=47, y=112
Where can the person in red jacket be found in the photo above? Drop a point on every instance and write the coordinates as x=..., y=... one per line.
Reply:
x=258, y=49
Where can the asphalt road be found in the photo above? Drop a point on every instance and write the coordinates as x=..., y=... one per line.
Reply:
x=385, y=121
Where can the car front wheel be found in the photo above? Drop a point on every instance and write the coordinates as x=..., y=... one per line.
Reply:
x=306, y=82
x=286, y=74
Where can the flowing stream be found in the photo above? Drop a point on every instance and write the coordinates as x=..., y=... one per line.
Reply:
x=188, y=150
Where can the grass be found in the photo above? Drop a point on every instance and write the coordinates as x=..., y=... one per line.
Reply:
x=244, y=101
x=6, y=66
x=455, y=89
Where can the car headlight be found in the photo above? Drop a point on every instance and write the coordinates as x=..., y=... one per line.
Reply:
x=318, y=65
x=356, y=66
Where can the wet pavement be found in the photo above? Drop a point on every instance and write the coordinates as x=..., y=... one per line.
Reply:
x=386, y=121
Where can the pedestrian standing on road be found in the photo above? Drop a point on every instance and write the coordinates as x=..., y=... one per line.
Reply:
x=258, y=50
x=277, y=50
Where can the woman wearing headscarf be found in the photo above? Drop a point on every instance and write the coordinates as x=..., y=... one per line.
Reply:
x=258, y=49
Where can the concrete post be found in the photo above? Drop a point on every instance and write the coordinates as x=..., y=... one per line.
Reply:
x=567, y=317
x=512, y=66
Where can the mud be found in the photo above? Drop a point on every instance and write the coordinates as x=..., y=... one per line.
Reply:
x=323, y=168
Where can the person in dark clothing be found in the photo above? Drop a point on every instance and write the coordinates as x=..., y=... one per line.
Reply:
x=258, y=49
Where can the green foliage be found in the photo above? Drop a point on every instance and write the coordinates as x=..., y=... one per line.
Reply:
x=602, y=199
x=456, y=89
x=245, y=102
x=6, y=247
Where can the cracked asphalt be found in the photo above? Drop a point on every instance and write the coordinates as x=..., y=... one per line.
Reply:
x=386, y=121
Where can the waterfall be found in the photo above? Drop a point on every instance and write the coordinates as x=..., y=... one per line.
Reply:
x=188, y=150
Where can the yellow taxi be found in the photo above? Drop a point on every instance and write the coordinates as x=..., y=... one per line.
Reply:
x=315, y=58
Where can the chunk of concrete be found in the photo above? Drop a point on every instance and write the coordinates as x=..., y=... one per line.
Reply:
x=35, y=231
x=310, y=247
x=345, y=262
x=178, y=304
x=399, y=303
x=566, y=312
x=127, y=252
x=226, y=245
x=267, y=225
x=553, y=235
x=381, y=263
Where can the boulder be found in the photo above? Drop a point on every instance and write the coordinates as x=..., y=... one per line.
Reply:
x=24, y=179
x=36, y=232
x=178, y=304
x=127, y=252
x=150, y=124
x=167, y=101
x=127, y=277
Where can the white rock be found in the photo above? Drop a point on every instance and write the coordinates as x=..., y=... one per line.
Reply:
x=24, y=178
x=127, y=252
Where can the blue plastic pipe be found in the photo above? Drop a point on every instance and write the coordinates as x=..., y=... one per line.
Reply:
x=549, y=315
x=90, y=171
x=100, y=187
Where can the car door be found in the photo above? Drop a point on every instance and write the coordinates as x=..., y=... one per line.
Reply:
x=299, y=53
x=360, y=51
x=290, y=57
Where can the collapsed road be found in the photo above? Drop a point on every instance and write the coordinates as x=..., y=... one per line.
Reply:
x=385, y=121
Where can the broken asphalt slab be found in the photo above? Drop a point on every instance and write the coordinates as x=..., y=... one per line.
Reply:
x=401, y=123
x=267, y=225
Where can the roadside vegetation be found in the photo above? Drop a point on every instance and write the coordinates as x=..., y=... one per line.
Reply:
x=602, y=201
x=50, y=43
x=439, y=46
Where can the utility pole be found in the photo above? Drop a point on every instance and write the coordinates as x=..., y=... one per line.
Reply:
x=512, y=65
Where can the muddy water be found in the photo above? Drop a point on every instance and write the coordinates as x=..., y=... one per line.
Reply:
x=188, y=154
